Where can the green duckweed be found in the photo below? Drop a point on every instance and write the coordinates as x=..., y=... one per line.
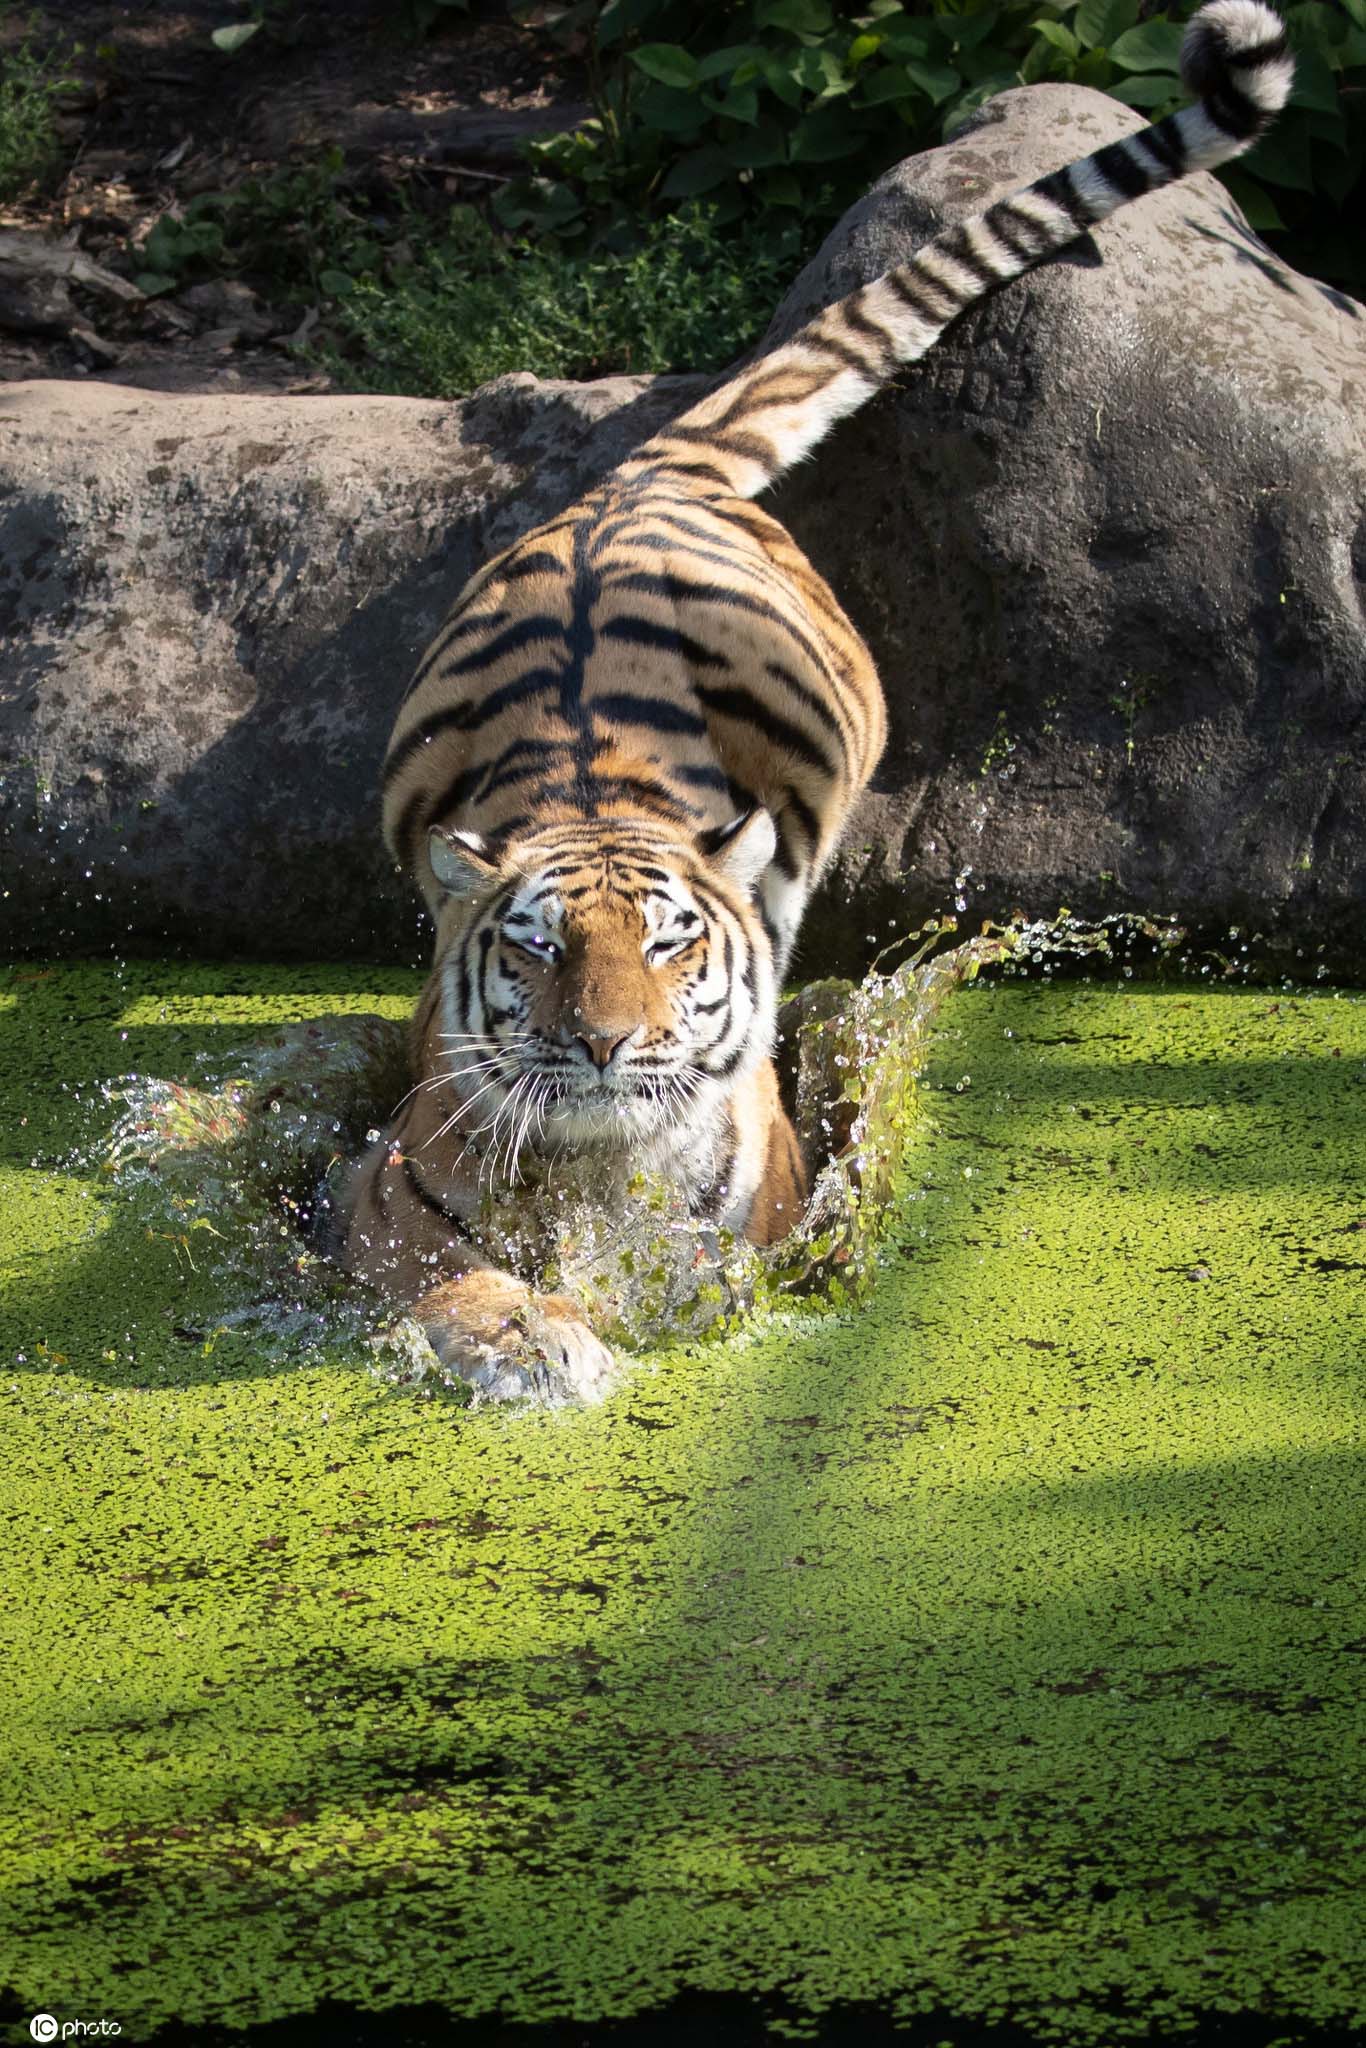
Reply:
x=991, y=1651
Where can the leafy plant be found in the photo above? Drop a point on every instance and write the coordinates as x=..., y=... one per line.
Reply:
x=292, y=230
x=459, y=311
x=794, y=105
x=31, y=83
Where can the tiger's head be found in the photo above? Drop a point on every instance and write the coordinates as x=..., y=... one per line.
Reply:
x=602, y=986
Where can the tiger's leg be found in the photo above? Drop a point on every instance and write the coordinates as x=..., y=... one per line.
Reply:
x=781, y=1194
x=497, y=1333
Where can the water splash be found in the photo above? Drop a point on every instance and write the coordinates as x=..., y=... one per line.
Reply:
x=237, y=1166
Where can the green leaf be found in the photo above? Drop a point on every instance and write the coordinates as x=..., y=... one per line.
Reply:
x=1356, y=11
x=758, y=148
x=338, y=284
x=722, y=63
x=781, y=82
x=1152, y=46
x=1282, y=157
x=938, y=80
x=1254, y=201
x=741, y=103
x=889, y=82
x=153, y=283
x=669, y=63
x=909, y=39
x=1153, y=91
x=1094, y=68
x=1061, y=38
x=967, y=31
x=782, y=188
x=1316, y=27
x=1099, y=22
x=1315, y=86
x=231, y=38
x=824, y=136
x=861, y=49
x=803, y=17
x=669, y=112
x=700, y=171
x=622, y=18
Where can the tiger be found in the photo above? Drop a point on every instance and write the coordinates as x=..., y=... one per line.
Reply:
x=624, y=763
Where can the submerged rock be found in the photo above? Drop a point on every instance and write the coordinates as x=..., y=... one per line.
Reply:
x=1107, y=544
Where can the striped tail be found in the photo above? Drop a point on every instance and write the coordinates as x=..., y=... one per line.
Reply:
x=740, y=439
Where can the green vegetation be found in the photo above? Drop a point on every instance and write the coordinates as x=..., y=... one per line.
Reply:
x=685, y=296
x=31, y=82
x=726, y=139
x=795, y=105
x=993, y=1652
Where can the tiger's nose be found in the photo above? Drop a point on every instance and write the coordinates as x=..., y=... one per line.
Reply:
x=602, y=1045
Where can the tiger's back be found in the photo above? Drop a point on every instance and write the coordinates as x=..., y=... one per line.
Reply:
x=662, y=650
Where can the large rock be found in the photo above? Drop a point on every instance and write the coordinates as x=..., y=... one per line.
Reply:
x=1108, y=544
x=209, y=609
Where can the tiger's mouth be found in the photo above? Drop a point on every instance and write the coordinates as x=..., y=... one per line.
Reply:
x=598, y=1109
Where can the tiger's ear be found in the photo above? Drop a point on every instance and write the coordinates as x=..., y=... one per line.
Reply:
x=743, y=849
x=460, y=861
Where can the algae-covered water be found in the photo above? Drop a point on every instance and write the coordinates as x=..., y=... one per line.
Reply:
x=992, y=1652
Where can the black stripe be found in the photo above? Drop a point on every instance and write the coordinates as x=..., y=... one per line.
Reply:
x=655, y=712
x=900, y=282
x=676, y=589
x=701, y=776
x=453, y=630
x=467, y=716
x=1230, y=110
x=483, y=710
x=877, y=334
x=778, y=384
x=955, y=299
x=842, y=352
x=732, y=700
x=538, y=562
x=407, y=827
x=795, y=805
x=638, y=632
x=450, y=719
x=1268, y=52
x=1027, y=250
x=427, y=1198
x=806, y=695
x=1060, y=190
x=958, y=247
x=1121, y=169
x=1165, y=144
x=537, y=627
x=652, y=794
x=752, y=447
x=709, y=471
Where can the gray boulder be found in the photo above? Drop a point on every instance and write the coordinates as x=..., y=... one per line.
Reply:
x=1108, y=544
x=209, y=610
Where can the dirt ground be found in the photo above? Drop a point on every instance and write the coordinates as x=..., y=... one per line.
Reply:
x=158, y=114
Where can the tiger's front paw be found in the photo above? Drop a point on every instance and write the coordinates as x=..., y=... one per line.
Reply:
x=512, y=1345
